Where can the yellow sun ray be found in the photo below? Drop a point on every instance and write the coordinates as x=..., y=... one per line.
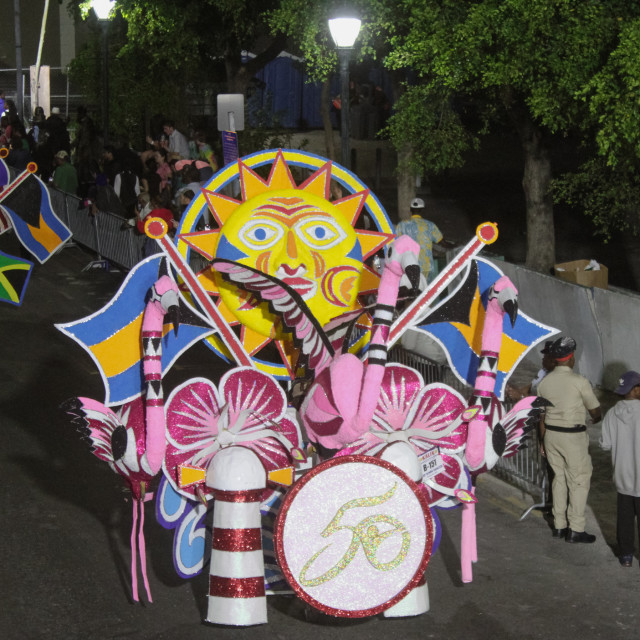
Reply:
x=350, y=206
x=319, y=183
x=372, y=241
x=369, y=281
x=253, y=341
x=221, y=206
x=204, y=242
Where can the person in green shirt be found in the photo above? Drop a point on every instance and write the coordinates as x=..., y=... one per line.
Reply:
x=65, y=176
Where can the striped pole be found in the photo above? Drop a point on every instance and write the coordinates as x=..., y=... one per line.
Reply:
x=157, y=228
x=236, y=573
x=486, y=233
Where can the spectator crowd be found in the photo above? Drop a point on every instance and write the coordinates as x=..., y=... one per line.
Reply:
x=117, y=178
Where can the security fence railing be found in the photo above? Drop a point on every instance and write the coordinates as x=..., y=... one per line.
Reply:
x=103, y=232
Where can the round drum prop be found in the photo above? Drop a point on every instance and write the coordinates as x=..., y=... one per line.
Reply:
x=354, y=536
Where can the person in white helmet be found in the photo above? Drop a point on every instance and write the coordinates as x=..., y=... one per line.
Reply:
x=424, y=232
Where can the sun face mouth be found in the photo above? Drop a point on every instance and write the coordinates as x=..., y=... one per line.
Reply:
x=306, y=288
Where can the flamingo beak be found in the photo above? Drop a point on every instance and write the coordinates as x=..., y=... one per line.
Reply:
x=511, y=309
x=173, y=316
x=412, y=272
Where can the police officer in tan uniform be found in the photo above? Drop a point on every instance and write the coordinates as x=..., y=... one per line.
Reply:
x=566, y=441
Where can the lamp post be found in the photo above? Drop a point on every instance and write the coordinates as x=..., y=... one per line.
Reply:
x=103, y=10
x=344, y=31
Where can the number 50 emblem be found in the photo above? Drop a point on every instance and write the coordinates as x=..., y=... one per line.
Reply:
x=354, y=536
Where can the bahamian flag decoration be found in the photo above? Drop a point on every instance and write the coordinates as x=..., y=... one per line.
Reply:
x=14, y=277
x=27, y=203
x=458, y=321
x=112, y=335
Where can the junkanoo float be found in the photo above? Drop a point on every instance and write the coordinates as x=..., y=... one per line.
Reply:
x=355, y=474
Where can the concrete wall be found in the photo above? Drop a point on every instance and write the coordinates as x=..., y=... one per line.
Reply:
x=603, y=322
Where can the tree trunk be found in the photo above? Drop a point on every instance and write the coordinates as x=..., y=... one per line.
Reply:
x=405, y=179
x=536, y=182
x=325, y=110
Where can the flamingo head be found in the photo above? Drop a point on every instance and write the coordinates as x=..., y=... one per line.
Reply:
x=164, y=293
x=504, y=294
x=402, y=259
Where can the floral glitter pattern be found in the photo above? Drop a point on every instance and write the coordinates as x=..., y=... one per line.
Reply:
x=425, y=417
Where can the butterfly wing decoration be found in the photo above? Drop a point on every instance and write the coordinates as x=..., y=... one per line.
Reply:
x=339, y=330
x=287, y=304
x=520, y=421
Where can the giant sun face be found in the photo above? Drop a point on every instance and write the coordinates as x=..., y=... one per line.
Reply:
x=293, y=232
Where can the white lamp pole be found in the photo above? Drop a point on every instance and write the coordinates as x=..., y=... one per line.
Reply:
x=344, y=31
x=103, y=10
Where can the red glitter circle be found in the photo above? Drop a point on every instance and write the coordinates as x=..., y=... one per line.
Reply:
x=4, y=152
x=156, y=228
x=279, y=543
x=32, y=167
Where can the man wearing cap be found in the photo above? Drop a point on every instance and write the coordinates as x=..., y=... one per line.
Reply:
x=621, y=436
x=566, y=441
x=65, y=176
x=424, y=232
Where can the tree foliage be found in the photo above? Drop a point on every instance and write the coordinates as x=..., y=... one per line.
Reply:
x=160, y=49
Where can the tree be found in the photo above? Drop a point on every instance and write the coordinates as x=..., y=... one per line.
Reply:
x=520, y=62
x=163, y=46
x=607, y=184
x=525, y=64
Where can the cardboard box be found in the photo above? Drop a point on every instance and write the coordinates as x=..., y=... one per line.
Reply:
x=575, y=271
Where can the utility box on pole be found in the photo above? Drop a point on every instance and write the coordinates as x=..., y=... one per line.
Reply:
x=230, y=112
x=230, y=120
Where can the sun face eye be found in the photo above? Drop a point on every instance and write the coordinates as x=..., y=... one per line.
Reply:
x=260, y=234
x=319, y=232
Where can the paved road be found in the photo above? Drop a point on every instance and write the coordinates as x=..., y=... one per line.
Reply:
x=66, y=522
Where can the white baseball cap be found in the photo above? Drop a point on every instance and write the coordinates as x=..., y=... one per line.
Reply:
x=417, y=203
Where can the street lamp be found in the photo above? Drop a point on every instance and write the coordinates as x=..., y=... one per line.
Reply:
x=344, y=31
x=103, y=10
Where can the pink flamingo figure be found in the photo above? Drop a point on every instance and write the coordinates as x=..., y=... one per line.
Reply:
x=489, y=435
x=132, y=439
x=340, y=404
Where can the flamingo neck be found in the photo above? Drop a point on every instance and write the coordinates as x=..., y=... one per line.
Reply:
x=155, y=445
x=377, y=354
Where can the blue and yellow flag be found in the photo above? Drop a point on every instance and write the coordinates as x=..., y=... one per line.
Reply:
x=112, y=335
x=458, y=321
x=27, y=203
x=14, y=276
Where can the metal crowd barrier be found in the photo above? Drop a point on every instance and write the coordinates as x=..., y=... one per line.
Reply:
x=525, y=470
x=103, y=233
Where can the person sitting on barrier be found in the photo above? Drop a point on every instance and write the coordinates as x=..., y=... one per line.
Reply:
x=621, y=436
x=565, y=441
